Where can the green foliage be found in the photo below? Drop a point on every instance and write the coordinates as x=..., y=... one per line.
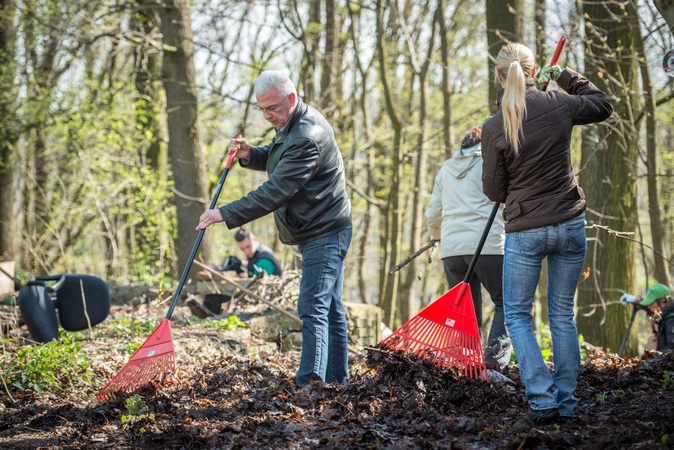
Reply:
x=124, y=326
x=545, y=341
x=583, y=349
x=131, y=348
x=194, y=320
x=667, y=381
x=315, y=28
x=664, y=438
x=135, y=406
x=136, y=409
x=600, y=397
x=104, y=183
x=49, y=366
x=230, y=323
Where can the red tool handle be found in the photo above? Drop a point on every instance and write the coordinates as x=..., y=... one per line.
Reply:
x=558, y=50
x=555, y=56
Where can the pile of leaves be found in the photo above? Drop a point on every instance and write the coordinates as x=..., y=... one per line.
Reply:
x=228, y=400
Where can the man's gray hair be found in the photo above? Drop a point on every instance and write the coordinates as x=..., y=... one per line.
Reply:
x=274, y=79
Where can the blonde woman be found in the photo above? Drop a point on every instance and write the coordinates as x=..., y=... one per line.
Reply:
x=527, y=167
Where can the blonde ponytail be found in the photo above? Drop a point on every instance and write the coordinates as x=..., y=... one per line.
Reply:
x=515, y=63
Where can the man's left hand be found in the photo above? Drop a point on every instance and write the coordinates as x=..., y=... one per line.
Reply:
x=209, y=218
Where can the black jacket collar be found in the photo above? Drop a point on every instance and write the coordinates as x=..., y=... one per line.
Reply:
x=300, y=110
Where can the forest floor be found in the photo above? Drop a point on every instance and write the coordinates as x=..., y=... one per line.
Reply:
x=223, y=400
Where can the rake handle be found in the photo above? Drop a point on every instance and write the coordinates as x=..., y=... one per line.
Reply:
x=200, y=236
x=483, y=239
x=555, y=57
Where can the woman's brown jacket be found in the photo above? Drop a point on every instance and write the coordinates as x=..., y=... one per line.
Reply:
x=538, y=186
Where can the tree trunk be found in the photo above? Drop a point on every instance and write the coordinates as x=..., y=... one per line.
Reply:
x=368, y=215
x=388, y=299
x=666, y=9
x=8, y=129
x=184, y=146
x=409, y=287
x=310, y=39
x=662, y=274
x=504, y=25
x=539, y=32
x=329, y=71
x=146, y=244
x=609, y=176
x=41, y=58
x=146, y=71
x=446, y=87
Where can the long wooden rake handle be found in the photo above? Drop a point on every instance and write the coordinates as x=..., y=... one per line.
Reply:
x=200, y=236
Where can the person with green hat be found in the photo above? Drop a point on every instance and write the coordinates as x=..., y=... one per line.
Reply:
x=660, y=302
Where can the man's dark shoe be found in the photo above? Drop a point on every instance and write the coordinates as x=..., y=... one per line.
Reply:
x=543, y=416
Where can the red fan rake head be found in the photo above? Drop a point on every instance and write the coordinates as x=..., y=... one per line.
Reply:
x=149, y=364
x=445, y=333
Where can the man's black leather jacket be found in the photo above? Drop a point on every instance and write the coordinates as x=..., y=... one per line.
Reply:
x=306, y=189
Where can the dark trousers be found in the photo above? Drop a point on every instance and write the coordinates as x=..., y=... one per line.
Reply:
x=488, y=272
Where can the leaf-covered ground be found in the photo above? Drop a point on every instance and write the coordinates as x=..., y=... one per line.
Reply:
x=224, y=400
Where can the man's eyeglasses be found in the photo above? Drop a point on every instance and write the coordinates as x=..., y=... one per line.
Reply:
x=274, y=109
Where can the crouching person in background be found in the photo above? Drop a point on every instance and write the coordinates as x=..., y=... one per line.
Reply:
x=660, y=303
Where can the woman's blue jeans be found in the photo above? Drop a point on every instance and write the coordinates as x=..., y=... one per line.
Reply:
x=564, y=245
x=320, y=306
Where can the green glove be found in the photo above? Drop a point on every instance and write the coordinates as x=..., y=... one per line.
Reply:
x=549, y=73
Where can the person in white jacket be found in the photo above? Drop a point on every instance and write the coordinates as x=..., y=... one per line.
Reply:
x=457, y=214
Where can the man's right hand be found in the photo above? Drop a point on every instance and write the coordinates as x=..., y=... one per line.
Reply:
x=240, y=146
x=625, y=299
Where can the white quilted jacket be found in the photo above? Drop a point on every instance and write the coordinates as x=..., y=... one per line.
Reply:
x=458, y=210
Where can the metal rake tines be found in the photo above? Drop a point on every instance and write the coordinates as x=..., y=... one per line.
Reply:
x=137, y=374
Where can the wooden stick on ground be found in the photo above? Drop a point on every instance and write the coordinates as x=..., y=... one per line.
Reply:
x=249, y=292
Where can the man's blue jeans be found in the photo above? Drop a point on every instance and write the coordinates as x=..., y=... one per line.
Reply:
x=564, y=245
x=320, y=306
